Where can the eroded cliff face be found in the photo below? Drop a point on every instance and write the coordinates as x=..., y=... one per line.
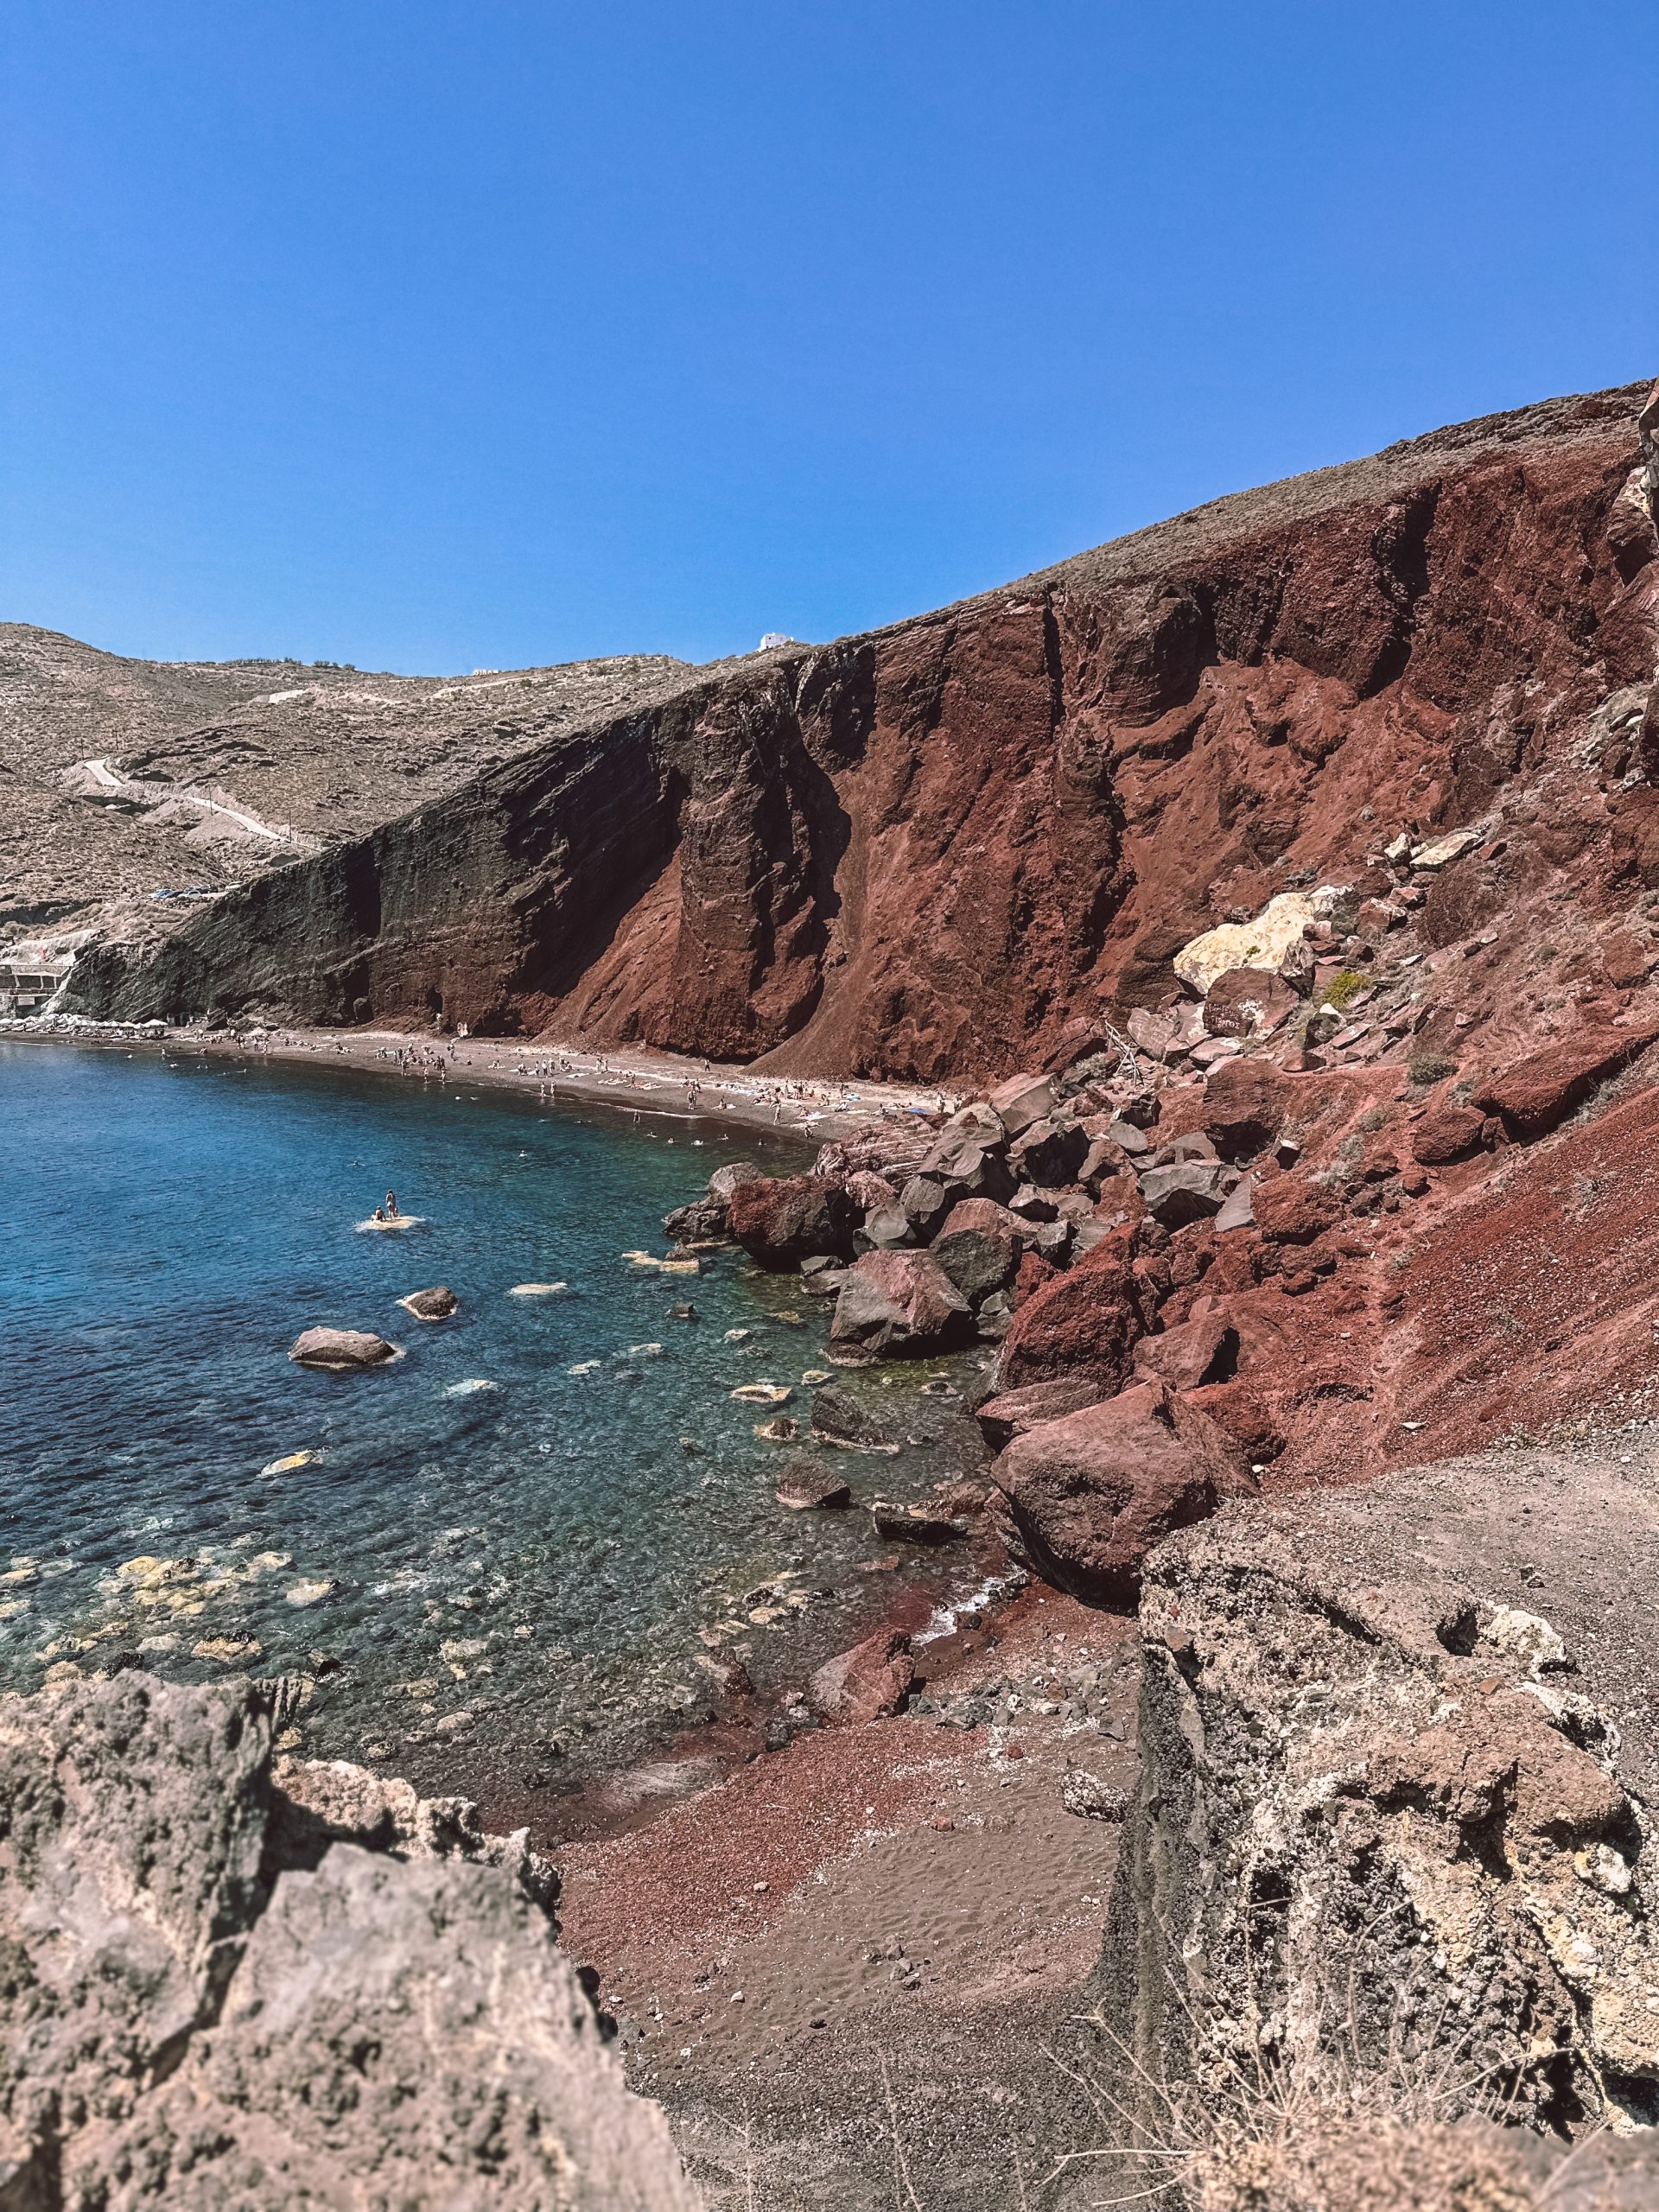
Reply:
x=922, y=853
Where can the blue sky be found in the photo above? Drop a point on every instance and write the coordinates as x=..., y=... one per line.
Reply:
x=430, y=336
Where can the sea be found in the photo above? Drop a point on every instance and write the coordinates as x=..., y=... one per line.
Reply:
x=510, y=1547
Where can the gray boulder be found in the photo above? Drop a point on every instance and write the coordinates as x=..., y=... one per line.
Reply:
x=900, y=1305
x=1186, y=1191
x=342, y=1350
x=1049, y=1153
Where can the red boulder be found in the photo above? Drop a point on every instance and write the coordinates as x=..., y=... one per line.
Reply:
x=1091, y=1494
x=1446, y=1133
x=1289, y=1210
x=1244, y=1106
x=1534, y=1094
x=874, y=1677
x=781, y=1220
x=1086, y=1322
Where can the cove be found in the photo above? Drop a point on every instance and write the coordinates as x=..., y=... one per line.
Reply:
x=460, y=1575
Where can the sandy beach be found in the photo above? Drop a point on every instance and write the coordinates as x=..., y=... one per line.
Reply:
x=626, y=1079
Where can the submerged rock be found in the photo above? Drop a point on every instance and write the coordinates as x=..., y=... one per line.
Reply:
x=837, y=1415
x=806, y=1487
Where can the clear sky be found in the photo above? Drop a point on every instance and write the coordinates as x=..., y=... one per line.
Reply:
x=430, y=336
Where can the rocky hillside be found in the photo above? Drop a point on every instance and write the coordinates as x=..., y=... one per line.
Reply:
x=923, y=852
x=121, y=780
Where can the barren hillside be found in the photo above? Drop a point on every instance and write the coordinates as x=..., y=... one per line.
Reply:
x=290, y=758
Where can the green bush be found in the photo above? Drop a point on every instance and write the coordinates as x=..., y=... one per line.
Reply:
x=1427, y=1068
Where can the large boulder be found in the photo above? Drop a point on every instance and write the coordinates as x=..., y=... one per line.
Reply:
x=1245, y=1105
x=1202, y=1349
x=228, y=1985
x=979, y=1248
x=1085, y=1322
x=435, y=1305
x=925, y=1202
x=1093, y=1493
x=1249, y=1002
x=967, y=1165
x=1050, y=1154
x=781, y=1220
x=1534, y=1094
x=342, y=1350
x=872, y=1679
x=1022, y=1100
x=1292, y=1209
x=1185, y=1191
x=1275, y=941
x=1446, y=1133
x=900, y=1305
x=1378, y=1800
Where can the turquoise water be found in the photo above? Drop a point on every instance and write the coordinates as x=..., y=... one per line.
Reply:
x=462, y=1572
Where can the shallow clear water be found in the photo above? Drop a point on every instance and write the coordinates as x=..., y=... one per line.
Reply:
x=458, y=1568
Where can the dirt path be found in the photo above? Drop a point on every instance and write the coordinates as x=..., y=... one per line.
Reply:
x=878, y=1935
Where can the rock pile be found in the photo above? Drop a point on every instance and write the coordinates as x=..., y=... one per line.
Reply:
x=1188, y=1241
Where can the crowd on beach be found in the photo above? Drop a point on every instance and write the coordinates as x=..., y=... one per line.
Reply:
x=701, y=1089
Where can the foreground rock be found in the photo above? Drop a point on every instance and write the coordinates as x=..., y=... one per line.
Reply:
x=1084, y=1324
x=343, y=1351
x=1090, y=1494
x=212, y=2001
x=1381, y=1820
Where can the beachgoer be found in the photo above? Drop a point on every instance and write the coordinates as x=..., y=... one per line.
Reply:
x=379, y=1213
x=392, y=1205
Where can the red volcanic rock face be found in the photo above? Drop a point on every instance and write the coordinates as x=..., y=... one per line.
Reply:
x=1085, y=1323
x=1092, y=1494
x=936, y=851
x=781, y=1220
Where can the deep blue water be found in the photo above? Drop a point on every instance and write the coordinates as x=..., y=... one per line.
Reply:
x=548, y=1556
